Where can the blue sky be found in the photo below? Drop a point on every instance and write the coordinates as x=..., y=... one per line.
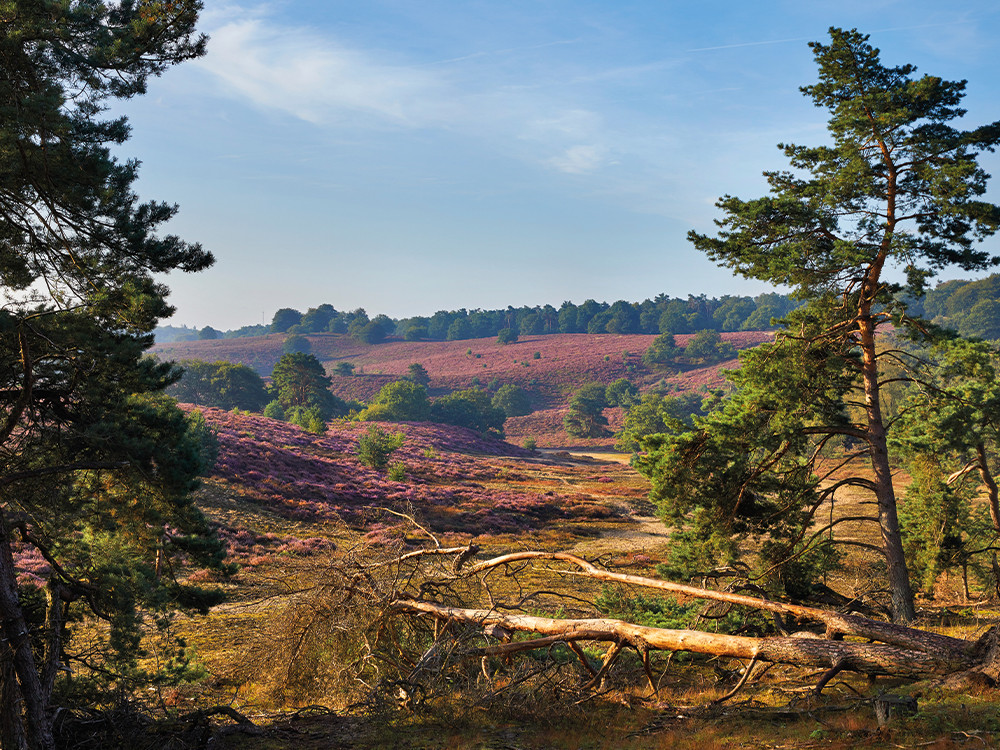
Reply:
x=407, y=156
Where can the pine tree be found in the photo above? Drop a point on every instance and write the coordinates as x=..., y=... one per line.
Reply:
x=95, y=465
x=896, y=187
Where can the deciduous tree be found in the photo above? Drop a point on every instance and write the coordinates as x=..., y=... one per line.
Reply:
x=226, y=385
x=401, y=401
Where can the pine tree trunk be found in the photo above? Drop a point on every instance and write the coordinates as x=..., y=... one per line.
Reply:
x=903, y=610
x=11, y=726
x=37, y=727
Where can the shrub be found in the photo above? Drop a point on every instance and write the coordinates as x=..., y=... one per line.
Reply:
x=296, y=343
x=470, y=408
x=308, y=418
x=622, y=393
x=507, y=336
x=376, y=446
x=400, y=401
x=663, y=352
x=372, y=332
x=707, y=347
x=512, y=400
x=530, y=443
x=397, y=472
x=418, y=374
x=274, y=411
x=345, y=369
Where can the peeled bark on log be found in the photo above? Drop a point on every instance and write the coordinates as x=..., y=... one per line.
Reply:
x=867, y=658
x=892, y=649
x=942, y=647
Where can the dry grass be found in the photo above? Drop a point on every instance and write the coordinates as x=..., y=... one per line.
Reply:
x=244, y=645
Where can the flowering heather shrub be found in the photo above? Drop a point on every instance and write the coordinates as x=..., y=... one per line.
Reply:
x=32, y=568
x=320, y=477
x=567, y=360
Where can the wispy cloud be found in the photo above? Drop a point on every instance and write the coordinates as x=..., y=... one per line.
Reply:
x=315, y=79
x=580, y=159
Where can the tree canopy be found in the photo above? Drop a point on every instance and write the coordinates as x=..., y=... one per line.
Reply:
x=400, y=401
x=95, y=464
x=896, y=187
x=226, y=385
x=586, y=412
x=470, y=408
x=301, y=381
x=512, y=400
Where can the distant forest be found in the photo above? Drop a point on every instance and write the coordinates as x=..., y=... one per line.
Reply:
x=660, y=315
x=970, y=307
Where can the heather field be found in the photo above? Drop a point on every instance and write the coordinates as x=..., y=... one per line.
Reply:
x=289, y=503
x=457, y=482
x=549, y=366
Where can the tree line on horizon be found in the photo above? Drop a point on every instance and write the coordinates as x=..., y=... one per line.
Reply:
x=969, y=307
x=662, y=314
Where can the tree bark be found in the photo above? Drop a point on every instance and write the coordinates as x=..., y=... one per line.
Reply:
x=867, y=658
x=11, y=723
x=892, y=649
x=991, y=486
x=945, y=648
x=37, y=724
x=903, y=610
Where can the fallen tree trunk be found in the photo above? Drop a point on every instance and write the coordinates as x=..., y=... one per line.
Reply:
x=868, y=658
x=944, y=648
x=891, y=649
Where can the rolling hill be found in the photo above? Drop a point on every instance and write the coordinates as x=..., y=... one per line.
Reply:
x=549, y=367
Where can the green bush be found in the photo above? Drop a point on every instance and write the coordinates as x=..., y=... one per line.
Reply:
x=296, y=344
x=273, y=410
x=397, y=472
x=470, y=408
x=308, y=418
x=512, y=400
x=376, y=446
x=622, y=393
x=707, y=348
x=506, y=336
x=400, y=401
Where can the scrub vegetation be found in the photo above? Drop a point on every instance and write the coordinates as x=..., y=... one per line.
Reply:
x=330, y=542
